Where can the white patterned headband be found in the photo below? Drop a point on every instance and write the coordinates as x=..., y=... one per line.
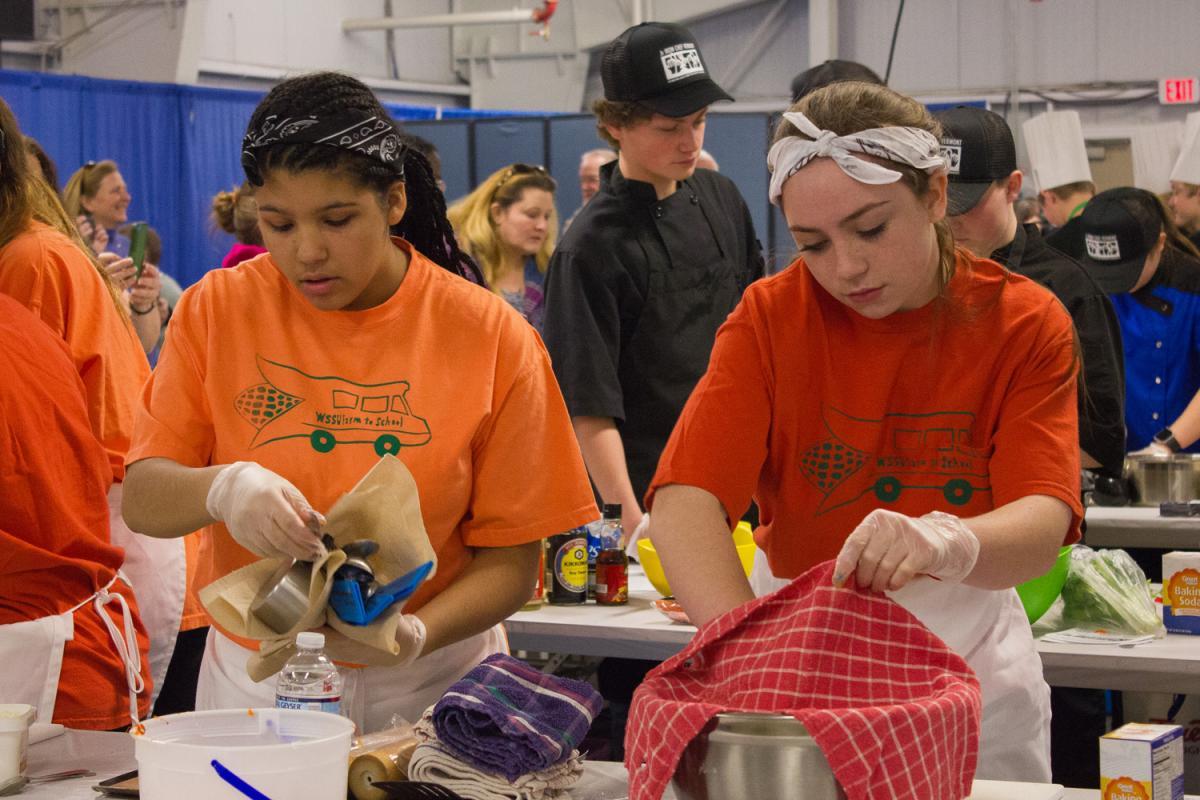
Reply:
x=915, y=147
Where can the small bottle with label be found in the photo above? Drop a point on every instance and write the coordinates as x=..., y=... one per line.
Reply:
x=309, y=680
x=593, y=544
x=567, y=560
x=612, y=565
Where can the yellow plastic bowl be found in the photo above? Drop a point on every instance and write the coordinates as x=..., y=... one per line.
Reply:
x=743, y=539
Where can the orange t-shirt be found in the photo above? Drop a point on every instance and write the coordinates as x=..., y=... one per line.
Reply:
x=823, y=415
x=444, y=374
x=54, y=545
x=48, y=274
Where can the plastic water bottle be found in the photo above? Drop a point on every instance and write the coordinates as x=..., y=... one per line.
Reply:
x=309, y=680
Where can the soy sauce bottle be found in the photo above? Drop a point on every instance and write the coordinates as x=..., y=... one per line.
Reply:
x=612, y=565
x=568, y=565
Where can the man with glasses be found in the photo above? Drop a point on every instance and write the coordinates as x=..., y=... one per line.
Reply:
x=984, y=182
x=650, y=268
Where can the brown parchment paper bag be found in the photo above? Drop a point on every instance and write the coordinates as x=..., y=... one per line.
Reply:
x=384, y=507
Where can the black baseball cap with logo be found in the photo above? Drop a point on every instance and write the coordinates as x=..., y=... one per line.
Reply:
x=659, y=65
x=1120, y=227
x=978, y=145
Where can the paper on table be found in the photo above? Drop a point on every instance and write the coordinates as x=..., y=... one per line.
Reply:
x=1086, y=636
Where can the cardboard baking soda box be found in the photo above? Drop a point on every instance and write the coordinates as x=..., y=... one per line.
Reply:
x=1142, y=762
x=1181, y=592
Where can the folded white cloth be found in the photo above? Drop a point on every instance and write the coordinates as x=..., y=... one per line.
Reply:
x=433, y=762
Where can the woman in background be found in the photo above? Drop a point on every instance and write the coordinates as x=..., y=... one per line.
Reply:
x=235, y=213
x=509, y=225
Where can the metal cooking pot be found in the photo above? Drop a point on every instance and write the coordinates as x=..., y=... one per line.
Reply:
x=743, y=755
x=282, y=601
x=1160, y=479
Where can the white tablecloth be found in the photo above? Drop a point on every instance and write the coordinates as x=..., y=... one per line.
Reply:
x=1140, y=527
x=109, y=754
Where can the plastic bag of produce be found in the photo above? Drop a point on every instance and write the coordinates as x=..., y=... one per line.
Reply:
x=1107, y=589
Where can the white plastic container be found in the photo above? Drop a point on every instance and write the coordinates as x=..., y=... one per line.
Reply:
x=281, y=753
x=14, y=738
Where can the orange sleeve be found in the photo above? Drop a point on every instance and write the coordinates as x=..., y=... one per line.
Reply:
x=173, y=418
x=529, y=481
x=25, y=277
x=720, y=441
x=1037, y=438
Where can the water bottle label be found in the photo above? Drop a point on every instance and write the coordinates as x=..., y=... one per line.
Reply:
x=331, y=704
x=593, y=542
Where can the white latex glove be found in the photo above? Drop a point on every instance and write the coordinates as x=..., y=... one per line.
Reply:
x=1154, y=449
x=638, y=532
x=410, y=636
x=265, y=513
x=887, y=550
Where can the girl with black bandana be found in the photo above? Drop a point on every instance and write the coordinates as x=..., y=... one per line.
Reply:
x=286, y=378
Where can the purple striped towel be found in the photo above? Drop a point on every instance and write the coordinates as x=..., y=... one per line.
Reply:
x=507, y=718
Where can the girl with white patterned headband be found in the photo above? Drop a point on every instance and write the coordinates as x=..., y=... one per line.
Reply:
x=903, y=413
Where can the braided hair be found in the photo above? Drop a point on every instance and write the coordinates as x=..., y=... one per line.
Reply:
x=328, y=94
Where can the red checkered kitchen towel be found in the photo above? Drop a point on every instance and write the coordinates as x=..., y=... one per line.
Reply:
x=893, y=709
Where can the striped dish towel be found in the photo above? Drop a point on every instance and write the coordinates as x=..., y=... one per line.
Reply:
x=508, y=718
x=893, y=709
x=432, y=761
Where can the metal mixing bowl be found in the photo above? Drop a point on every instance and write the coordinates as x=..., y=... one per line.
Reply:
x=1160, y=479
x=744, y=755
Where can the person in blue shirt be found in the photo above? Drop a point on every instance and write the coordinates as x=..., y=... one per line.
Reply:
x=1152, y=271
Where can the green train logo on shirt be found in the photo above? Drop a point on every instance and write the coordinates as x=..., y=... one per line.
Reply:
x=329, y=411
x=894, y=455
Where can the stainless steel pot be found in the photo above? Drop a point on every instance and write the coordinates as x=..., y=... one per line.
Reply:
x=283, y=599
x=1159, y=479
x=742, y=755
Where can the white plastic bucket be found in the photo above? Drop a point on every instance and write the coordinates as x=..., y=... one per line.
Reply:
x=280, y=753
x=14, y=738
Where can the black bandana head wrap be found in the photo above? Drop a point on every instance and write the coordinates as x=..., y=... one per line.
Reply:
x=370, y=135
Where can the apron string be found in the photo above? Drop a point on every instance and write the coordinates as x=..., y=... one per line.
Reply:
x=127, y=647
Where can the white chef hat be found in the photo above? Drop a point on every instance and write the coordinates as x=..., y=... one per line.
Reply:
x=1054, y=141
x=1187, y=166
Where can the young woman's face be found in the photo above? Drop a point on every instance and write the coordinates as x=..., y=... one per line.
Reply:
x=330, y=238
x=525, y=224
x=873, y=247
x=110, y=204
x=661, y=148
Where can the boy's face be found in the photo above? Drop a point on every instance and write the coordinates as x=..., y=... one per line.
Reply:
x=661, y=148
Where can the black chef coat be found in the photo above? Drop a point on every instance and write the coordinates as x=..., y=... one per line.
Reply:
x=1102, y=396
x=635, y=292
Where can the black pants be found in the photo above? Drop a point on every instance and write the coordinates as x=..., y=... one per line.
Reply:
x=617, y=678
x=178, y=693
x=1078, y=722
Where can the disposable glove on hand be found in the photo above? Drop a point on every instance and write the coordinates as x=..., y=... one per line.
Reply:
x=410, y=636
x=265, y=513
x=1154, y=449
x=887, y=550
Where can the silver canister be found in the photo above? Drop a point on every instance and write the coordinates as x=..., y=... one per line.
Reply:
x=283, y=600
x=743, y=755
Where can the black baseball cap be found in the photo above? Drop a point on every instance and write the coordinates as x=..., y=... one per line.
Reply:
x=835, y=70
x=978, y=144
x=1119, y=227
x=659, y=65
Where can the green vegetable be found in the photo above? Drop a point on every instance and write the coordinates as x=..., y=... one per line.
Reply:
x=1107, y=589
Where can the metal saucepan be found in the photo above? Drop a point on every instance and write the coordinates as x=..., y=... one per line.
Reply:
x=1160, y=478
x=741, y=755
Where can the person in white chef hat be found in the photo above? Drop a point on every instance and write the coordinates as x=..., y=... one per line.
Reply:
x=1054, y=141
x=1184, y=200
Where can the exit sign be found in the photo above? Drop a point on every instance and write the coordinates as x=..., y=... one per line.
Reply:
x=1177, y=91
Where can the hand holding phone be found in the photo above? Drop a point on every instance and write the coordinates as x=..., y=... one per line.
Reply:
x=137, y=248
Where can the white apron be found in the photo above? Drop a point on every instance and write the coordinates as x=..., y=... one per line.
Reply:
x=31, y=654
x=157, y=571
x=990, y=631
x=371, y=696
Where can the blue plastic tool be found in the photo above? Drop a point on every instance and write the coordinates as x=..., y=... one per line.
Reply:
x=350, y=601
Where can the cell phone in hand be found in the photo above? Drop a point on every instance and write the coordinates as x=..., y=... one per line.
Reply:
x=137, y=247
